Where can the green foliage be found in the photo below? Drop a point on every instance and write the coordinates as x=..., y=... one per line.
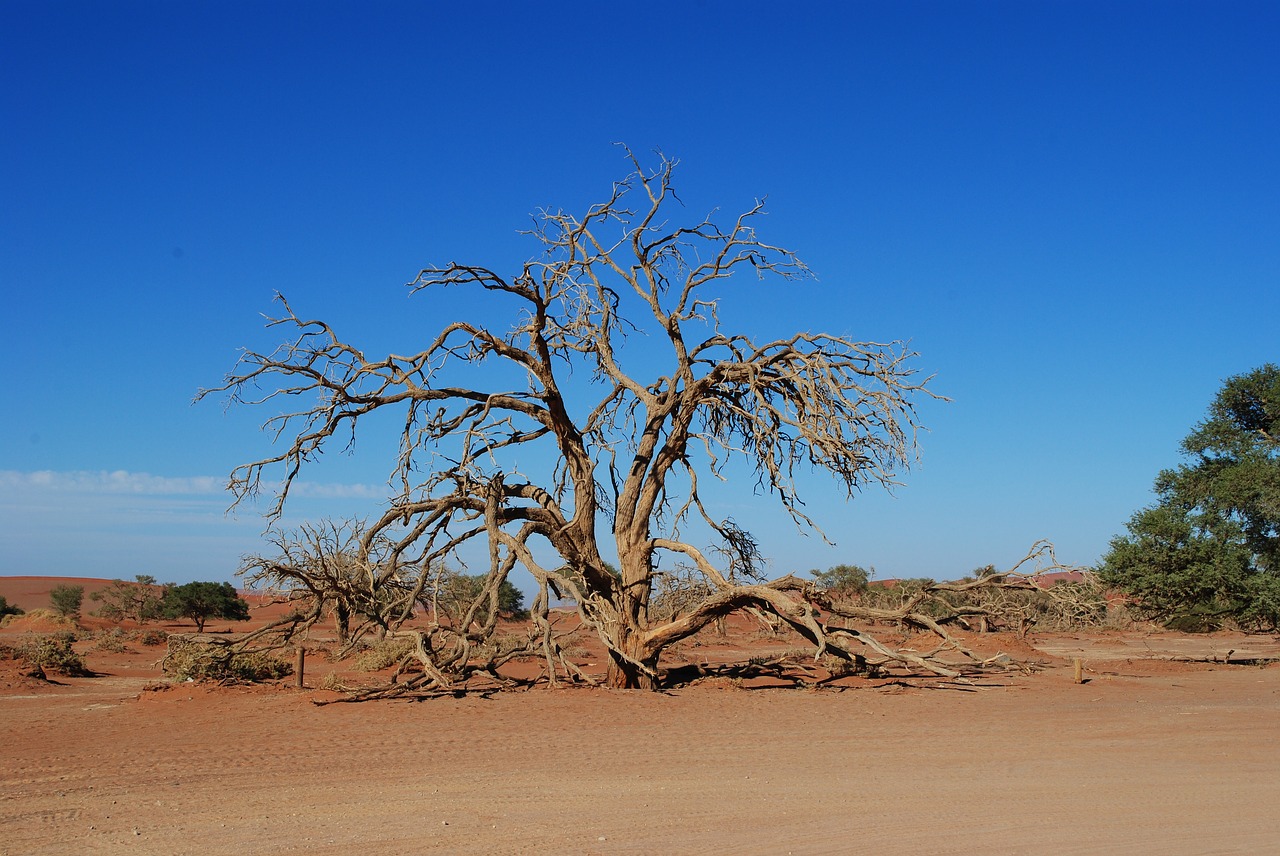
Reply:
x=843, y=579
x=53, y=653
x=7, y=608
x=201, y=601
x=893, y=594
x=66, y=600
x=139, y=601
x=457, y=592
x=1209, y=550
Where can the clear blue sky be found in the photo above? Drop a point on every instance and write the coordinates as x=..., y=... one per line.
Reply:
x=1071, y=209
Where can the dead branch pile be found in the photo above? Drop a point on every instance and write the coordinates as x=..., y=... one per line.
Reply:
x=202, y=657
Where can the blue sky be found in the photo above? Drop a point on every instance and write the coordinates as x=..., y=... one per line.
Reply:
x=1072, y=210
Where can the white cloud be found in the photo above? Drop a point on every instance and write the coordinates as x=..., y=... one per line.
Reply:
x=145, y=484
x=102, y=481
x=118, y=524
x=313, y=490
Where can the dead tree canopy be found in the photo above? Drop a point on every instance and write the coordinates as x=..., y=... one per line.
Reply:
x=631, y=443
x=328, y=567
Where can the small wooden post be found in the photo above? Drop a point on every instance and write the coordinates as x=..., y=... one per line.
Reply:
x=1079, y=665
x=300, y=663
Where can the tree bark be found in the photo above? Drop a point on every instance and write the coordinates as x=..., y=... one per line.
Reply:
x=629, y=672
x=342, y=622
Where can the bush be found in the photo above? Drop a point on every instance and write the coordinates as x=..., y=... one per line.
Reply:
x=7, y=608
x=53, y=653
x=256, y=666
x=197, y=658
x=845, y=580
x=111, y=641
x=1066, y=605
x=383, y=655
x=893, y=594
x=153, y=637
x=66, y=600
x=332, y=682
x=39, y=619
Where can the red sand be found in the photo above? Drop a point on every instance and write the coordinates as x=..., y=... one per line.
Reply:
x=1154, y=754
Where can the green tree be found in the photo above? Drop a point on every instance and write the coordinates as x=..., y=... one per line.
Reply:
x=141, y=600
x=1209, y=550
x=7, y=608
x=844, y=579
x=201, y=601
x=66, y=600
x=457, y=593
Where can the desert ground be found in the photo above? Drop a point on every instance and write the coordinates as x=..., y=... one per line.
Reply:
x=1168, y=746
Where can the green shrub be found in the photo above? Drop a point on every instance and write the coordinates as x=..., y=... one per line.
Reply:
x=7, y=608
x=846, y=580
x=53, y=653
x=66, y=600
x=457, y=592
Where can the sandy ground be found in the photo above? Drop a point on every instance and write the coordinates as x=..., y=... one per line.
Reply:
x=1155, y=753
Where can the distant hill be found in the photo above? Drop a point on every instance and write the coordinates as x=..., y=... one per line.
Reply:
x=33, y=592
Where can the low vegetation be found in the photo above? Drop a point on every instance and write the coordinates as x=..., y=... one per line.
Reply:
x=383, y=655
x=48, y=653
x=205, y=658
x=152, y=638
x=112, y=640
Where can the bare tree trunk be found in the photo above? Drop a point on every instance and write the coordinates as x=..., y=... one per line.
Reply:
x=637, y=670
x=342, y=622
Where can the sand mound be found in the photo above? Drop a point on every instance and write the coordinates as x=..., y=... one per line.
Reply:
x=38, y=621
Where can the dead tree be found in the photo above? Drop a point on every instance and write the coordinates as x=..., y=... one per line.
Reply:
x=630, y=446
x=327, y=568
x=934, y=606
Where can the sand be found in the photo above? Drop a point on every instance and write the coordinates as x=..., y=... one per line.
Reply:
x=1157, y=752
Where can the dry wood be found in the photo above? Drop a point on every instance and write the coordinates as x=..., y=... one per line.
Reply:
x=630, y=448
